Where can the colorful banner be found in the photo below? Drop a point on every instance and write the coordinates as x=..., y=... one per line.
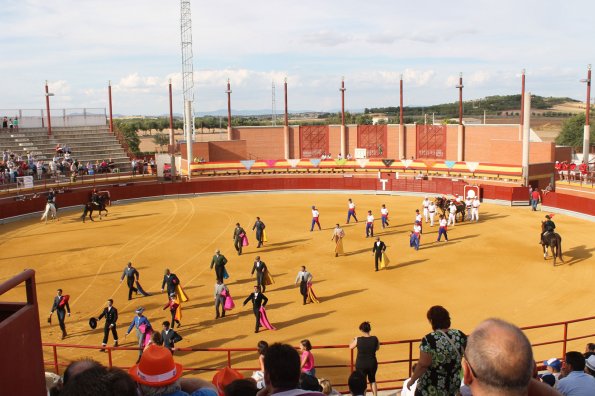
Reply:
x=472, y=166
x=341, y=161
x=362, y=162
x=270, y=163
x=247, y=163
x=315, y=162
x=388, y=162
x=429, y=164
x=293, y=162
x=406, y=163
x=450, y=164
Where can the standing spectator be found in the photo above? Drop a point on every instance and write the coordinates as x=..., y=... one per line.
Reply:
x=440, y=355
x=5, y=123
x=15, y=123
x=61, y=306
x=307, y=359
x=575, y=382
x=535, y=198
x=366, y=362
x=133, y=166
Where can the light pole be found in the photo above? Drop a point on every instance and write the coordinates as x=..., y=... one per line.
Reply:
x=47, y=107
x=111, y=117
x=460, y=129
x=342, y=89
x=228, y=92
x=587, y=129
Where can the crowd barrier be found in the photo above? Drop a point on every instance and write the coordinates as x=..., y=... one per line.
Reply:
x=572, y=333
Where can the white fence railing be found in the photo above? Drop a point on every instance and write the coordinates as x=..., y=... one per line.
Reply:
x=37, y=118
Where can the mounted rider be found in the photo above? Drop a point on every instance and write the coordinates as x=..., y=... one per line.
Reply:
x=548, y=226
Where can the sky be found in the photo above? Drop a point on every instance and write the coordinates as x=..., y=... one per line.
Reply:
x=78, y=46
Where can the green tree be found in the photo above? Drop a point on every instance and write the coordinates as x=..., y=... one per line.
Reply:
x=161, y=139
x=572, y=131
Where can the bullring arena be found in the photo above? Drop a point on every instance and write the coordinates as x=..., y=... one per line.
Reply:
x=489, y=268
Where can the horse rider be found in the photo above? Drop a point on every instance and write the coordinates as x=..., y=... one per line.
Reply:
x=95, y=198
x=548, y=226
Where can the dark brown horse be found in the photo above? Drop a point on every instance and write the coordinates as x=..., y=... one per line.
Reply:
x=553, y=240
x=96, y=205
x=443, y=204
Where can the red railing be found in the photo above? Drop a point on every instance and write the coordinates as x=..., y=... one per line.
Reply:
x=408, y=358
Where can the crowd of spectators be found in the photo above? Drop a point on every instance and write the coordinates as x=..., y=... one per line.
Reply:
x=10, y=123
x=495, y=359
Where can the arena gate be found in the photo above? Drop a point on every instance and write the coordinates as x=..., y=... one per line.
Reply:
x=314, y=141
x=374, y=139
x=430, y=141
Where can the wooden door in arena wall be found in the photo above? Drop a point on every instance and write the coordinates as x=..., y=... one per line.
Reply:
x=430, y=141
x=374, y=139
x=314, y=141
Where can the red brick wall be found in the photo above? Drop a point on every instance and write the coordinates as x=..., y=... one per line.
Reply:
x=334, y=139
x=410, y=141
x=392, y=140
x=563, y=154
x=262, y=142
x=234, y=150
x=451, y=142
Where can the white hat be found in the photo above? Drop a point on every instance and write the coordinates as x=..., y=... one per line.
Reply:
x=590, y=362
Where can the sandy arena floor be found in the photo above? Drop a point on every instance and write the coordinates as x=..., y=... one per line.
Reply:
x=491, y=268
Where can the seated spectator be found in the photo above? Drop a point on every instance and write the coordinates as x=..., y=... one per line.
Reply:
x=158, y=374
x=590, y=347
x=226, y=376
x=411, y=390
x=59, y=150
x=357, y=384
x=282, y=371
x=553, y=367
x=548, y=189
x=327, y=387
x=309, y=382
x=499, y=361
x=348, y=156
x=241, y=387
x=590, y=365
x=575, y=382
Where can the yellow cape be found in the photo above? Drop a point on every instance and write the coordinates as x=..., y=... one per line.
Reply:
x=180, y=293
x=268, y=278
x=384, y=261
x=264, y=236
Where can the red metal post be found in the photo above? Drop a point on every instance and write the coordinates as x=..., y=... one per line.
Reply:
x=109, y=357
x=111, y=118
x=47, y=107
x=401, y=101
x=56, y=365
x=229, y=358
x=228, y=104
x=523, y=98
x=565, y=338
x=286, y=113
x=342, y=101
x=460, y=87
x=588, y=107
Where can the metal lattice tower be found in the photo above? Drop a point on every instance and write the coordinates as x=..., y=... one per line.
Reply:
x=273, y=106
x=187, y=75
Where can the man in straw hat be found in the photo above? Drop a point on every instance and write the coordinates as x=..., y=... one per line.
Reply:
x=157, y=374
x=142, y=326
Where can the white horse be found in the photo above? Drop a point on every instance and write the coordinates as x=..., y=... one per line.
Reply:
x=50, y=208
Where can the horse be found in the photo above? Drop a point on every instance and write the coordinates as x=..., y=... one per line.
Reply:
x=98, y=205
x=443, y=204
x=50, y=210
x=553, y=240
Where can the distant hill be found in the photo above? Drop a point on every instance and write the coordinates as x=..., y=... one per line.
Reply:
x=491, y=104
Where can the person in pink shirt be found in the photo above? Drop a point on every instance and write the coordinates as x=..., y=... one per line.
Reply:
x=307, y=358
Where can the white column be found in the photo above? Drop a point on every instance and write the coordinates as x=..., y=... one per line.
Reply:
x=460, y=142
x=229, y=136
x=526, y=134
x=586, y=142
x=188, y=132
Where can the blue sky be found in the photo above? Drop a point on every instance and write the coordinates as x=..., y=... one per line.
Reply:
x=79, y=45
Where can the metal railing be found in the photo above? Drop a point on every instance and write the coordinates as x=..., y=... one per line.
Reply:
x=73, y=117
x=348, y=364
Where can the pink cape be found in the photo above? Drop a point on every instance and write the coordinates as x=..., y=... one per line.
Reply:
x=245, y=241
x=147, y=332
x=229, y=304
x=264, y=321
